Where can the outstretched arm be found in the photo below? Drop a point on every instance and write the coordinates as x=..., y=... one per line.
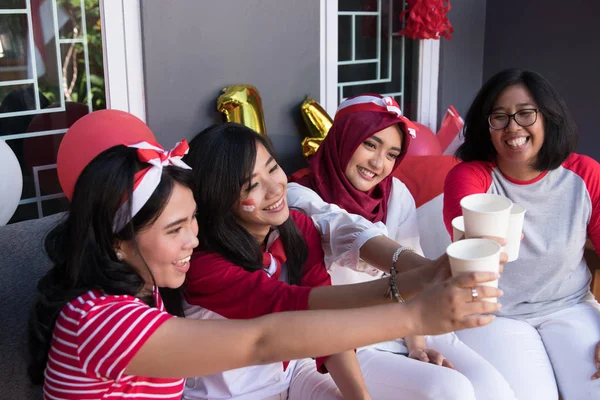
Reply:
x=200, y=347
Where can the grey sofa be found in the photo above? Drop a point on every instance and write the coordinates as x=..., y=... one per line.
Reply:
x=22, y=263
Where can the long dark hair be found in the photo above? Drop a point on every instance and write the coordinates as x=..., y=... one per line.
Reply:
x=222, y=158
x=82, y=247
x=560, y=131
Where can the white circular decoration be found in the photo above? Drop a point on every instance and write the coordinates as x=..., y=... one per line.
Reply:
x=11, y=183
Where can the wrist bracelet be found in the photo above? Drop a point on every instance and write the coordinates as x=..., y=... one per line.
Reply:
x=392, y=292
x=399, y=251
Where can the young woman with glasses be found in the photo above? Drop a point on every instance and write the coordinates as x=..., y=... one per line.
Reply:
x=519, y=142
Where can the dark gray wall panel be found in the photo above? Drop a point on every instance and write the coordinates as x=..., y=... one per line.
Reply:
x=193, y=49
x=557, y=39
x=461, y=58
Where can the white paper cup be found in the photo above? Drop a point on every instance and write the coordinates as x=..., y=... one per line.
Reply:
x=486, y=215
x=515, y=229
x=475, y=255
x=458, y=228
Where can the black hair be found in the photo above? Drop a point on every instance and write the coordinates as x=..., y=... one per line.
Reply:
x=560, y=131
x=222, y=158
x=82, y=247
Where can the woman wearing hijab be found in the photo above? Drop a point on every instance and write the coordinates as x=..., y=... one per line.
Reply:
x=350, y=193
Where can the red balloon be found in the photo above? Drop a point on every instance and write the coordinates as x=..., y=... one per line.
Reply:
x=425, y=144
x=90, y=136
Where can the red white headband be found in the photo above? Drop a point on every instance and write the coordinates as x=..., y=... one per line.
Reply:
x=375, y=104
x=147, y=180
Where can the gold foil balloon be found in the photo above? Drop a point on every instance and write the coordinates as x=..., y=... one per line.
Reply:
x=318, y=122
x=242, y=104
x=316, y=118
x=311, y=145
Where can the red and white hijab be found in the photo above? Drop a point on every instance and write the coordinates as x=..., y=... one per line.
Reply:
x=356, y=119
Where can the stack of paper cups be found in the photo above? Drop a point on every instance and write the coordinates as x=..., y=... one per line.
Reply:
x=491, y=215
x=486, y=215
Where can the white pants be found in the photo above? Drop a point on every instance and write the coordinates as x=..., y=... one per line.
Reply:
x=395, y=376
x=280, y=396
x=531, y=352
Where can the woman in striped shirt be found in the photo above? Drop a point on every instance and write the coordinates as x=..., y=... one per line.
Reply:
x=100, y=327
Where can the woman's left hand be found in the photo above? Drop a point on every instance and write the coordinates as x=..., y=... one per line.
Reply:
x=597, y=361
x=431, y=356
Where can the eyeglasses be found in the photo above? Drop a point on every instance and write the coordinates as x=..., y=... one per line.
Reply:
x=524, y=118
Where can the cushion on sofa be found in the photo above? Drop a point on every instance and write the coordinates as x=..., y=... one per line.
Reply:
x=22, y=263
x=424, y=176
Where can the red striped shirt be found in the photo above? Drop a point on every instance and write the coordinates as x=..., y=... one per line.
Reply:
x=95, y=338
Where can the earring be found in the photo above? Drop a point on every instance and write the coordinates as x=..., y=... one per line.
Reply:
x=119, y=256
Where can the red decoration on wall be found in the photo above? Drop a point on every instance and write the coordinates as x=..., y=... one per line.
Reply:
x=426, y=19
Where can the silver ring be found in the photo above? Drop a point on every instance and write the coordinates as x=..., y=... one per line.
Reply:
x=474, y=294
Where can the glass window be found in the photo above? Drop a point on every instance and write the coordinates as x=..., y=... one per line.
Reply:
x=51, y=74
x=372, y=57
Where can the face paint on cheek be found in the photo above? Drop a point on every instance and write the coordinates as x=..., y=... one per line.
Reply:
x=248, y=205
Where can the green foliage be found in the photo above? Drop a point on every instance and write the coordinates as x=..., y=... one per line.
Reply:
x=94, y=45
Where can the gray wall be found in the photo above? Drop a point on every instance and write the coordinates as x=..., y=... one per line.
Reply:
x=193, y=49
x=461, y=58
x=557, y=39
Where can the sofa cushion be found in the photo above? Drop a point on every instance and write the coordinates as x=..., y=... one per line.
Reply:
x=424, y=176
x=22, y=263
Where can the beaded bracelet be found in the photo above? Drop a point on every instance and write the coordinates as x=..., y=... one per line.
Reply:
x=392, y=292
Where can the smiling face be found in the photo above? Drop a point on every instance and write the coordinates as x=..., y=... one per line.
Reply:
x=374, y=159
x=517, y=147
x=166, y=246
x=262, y=203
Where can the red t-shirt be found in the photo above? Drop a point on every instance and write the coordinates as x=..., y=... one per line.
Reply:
x=219, y=285
x=95, y=337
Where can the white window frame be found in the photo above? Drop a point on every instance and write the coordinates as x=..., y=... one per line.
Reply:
x=123, y=56
x=429, y=60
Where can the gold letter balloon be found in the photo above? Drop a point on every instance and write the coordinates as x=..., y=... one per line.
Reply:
x=318, y=122
x=242, y=104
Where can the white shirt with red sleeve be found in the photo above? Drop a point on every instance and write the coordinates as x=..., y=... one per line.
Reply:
x=217, y=288
x=563, y=209
x=95, y=337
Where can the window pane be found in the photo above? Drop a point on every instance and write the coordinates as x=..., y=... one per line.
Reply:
x=344, y=31
x=55, y=206
x=12, y=4
x=354, y=72
x=366, y=37
x=25, y=212
x=357, y=5
x=14, y=53
x=69, y=17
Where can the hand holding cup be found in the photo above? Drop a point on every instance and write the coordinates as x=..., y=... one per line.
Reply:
x=449, y=306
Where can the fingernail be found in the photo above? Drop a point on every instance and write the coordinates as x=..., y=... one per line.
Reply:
x=597, y=365
x=497, y=274
x=501, y=292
